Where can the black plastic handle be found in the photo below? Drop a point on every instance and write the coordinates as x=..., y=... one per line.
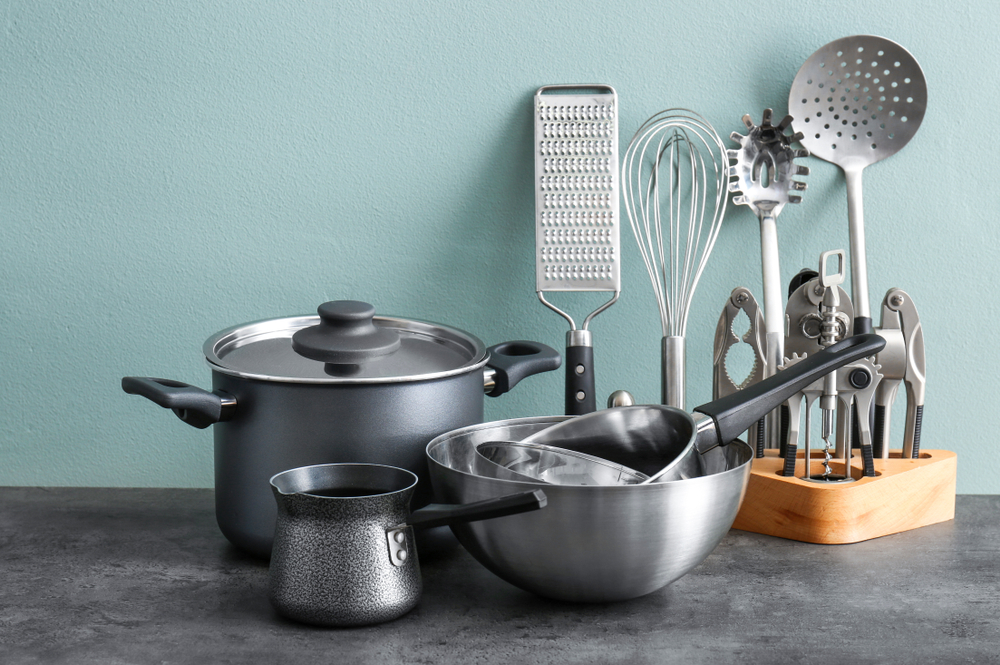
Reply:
x=438, y=514
x=734, y=413
x=788, y=468
x=513, y=361
x=867, y=462
x=198, y=408
x=345, y=335
x=759, y=440
x=879, y=438
x=918, y=421
x=580, y=387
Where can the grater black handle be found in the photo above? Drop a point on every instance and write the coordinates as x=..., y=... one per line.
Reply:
x=580, y=398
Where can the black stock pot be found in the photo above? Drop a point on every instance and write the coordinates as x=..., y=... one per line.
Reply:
x=344, y=386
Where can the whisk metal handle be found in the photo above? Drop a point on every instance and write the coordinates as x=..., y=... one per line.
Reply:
x=673, y=371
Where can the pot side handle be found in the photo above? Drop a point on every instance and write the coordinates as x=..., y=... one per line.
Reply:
x=198, y=408
x=513, y=361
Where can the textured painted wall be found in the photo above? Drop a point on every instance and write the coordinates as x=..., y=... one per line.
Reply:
x=170, y=169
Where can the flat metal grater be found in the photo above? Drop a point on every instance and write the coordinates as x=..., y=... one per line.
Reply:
x=576, y=214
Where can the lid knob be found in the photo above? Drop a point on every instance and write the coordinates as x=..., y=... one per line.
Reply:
x=345, y=335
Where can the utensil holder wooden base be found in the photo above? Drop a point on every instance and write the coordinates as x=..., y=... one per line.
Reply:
x=905, y=494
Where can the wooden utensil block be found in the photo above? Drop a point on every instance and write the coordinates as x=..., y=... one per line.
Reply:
x=905, y=494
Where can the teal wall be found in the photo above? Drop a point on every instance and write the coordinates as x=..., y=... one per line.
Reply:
x=173, y=168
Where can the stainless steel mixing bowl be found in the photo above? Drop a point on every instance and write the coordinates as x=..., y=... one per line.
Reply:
x=592, y=543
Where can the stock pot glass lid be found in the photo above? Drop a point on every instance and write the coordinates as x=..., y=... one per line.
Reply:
x=372, y=349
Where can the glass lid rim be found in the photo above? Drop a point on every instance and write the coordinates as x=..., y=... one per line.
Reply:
x=262, y=329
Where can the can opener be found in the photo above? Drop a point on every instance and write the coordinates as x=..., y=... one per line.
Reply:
x=856, y=384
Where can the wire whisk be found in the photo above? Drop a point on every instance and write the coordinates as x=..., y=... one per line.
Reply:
x=675, y=169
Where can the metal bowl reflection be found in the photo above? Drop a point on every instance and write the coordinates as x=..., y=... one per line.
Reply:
x=591, y=543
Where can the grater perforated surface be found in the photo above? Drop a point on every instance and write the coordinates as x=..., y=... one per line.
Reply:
x=576, y=189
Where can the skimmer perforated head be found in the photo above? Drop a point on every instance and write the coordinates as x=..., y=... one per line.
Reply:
x=858, y=100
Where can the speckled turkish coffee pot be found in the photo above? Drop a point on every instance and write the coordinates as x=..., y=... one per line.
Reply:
x=344, y=552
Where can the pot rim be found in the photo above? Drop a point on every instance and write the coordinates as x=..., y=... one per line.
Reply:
x=239, y=335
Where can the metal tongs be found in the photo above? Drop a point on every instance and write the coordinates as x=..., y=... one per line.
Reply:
x=902, y=361
x=741, y=301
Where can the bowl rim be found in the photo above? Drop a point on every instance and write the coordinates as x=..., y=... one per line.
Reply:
x=442, y=439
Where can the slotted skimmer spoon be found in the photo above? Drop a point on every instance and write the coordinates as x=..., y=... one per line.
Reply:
x=856, y=101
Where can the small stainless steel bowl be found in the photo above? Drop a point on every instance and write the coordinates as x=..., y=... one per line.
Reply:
x=518, y=460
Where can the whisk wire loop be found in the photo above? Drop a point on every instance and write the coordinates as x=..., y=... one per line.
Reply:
x=666, y=169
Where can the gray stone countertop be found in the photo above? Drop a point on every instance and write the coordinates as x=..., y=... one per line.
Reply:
x=118, y=576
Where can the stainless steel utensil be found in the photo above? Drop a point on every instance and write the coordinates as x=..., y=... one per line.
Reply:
x=809, y=394
x=576, y=214
x=817, y=308
x=740, y=301
x=518, y=460
x=852, y=385
x=857, y=384
x=655, y=438
x=902, y=361
x=813, y=324
x=667, y=443
x=856, y=101
x=763, y=175
x=675, y=163
x=344, y=552
x=486, y=467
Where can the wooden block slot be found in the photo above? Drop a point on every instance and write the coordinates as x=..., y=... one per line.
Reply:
x=905, y=494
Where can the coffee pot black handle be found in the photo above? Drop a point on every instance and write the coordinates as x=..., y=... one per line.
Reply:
x=437, y=514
